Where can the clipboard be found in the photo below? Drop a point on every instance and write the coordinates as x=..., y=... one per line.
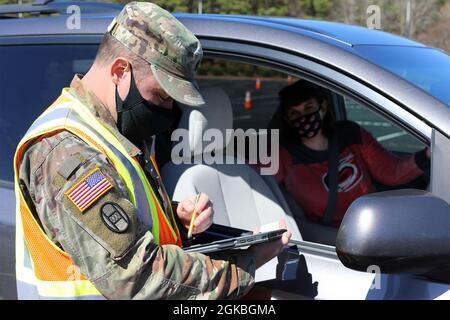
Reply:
x=236, y=242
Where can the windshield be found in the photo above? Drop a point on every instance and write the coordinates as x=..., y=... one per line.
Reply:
x=426, y=68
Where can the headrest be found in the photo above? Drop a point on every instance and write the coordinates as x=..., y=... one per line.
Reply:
x=217, y=113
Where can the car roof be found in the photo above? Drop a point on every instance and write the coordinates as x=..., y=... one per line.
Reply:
x=96, y=21
x=330, y=32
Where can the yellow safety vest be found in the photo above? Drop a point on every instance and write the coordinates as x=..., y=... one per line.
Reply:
x=43, y=270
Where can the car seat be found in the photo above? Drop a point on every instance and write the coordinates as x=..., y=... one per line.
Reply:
x=241, y=198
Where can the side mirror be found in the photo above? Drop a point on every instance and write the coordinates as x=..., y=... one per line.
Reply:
x=402, y=231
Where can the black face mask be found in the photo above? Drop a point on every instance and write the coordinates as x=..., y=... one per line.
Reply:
x=308, y=126
x=138, y=119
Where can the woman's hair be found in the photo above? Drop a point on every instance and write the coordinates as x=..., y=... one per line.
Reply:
x=298, y=93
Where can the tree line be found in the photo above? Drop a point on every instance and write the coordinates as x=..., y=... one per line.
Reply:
x=424, y=13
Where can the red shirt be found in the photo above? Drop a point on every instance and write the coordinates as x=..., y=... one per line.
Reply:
x=304, y=172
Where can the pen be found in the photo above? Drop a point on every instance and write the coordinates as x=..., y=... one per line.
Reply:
x=191, y=226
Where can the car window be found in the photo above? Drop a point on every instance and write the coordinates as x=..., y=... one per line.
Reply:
x=262, y=84
x=391, y=136
x=31, y=79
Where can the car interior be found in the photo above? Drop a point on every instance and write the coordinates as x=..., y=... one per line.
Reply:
x=241, y=197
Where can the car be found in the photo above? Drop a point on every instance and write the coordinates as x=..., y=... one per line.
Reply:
x=391, y=245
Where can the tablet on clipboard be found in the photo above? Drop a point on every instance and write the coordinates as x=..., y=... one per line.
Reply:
x=236, y=242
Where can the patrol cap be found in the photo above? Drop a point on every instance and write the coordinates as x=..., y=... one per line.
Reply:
x=172, y=51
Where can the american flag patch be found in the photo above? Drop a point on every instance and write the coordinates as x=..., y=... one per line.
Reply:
x=88, y=190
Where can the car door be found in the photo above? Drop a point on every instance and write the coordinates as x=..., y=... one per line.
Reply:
x=320, y=261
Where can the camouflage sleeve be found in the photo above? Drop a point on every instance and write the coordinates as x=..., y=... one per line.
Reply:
x=126, y=265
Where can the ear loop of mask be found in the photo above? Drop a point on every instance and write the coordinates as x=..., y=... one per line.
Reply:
x=133, y=94
x=132, y=99
x=123, y=107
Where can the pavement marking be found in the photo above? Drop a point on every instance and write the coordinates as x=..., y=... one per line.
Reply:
x=392, y=136
x=374, y=124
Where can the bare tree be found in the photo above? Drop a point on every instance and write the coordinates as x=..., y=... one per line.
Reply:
x=424, y=13
x=437, y=34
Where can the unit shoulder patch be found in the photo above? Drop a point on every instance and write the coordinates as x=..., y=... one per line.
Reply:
x=114, y=217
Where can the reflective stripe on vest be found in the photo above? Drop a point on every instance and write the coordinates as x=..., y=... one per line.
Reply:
x=49, y=270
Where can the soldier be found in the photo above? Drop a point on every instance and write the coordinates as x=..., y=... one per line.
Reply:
x=93, y=217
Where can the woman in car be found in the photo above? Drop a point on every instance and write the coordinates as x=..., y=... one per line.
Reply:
x=326, y=165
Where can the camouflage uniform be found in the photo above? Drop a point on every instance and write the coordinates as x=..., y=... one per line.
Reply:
x=133, y=266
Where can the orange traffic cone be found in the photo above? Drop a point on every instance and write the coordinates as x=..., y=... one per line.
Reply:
x=258, y=83
x=248, y=100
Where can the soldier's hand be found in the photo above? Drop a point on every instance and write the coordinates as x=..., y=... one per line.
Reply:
x=265, y=252
x=204, y=213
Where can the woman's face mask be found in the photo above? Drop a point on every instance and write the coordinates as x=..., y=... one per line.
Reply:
x=307, y=125
x=139, y=119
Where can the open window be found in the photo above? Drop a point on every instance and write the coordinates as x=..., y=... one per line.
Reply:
x=390, y=135
x=253, y=91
